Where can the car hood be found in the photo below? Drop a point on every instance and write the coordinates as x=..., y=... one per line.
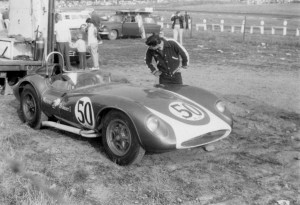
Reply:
x=159, y=100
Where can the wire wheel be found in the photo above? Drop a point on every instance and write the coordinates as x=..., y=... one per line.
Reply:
x=118, y=137
x=29, y=107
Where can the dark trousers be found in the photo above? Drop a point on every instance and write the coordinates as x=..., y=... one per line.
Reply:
x=63, y=48
x=170, y=79
x=82, y=60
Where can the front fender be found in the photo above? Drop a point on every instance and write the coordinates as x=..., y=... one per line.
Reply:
x=138, y=115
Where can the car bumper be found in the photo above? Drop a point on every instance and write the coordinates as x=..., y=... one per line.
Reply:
x=104, y=33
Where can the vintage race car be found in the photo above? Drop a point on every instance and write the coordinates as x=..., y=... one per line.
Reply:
x=131, y=119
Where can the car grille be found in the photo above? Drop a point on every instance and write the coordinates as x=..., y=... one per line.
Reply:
x=203, y=139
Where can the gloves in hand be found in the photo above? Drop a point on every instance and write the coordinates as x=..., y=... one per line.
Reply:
x=179, y=69
x=156, y=73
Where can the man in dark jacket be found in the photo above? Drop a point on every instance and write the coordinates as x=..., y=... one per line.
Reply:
x=187, y=19
x=177, y=26
x=167, y=54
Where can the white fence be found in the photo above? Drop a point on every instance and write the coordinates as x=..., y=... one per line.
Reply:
x=260, y=27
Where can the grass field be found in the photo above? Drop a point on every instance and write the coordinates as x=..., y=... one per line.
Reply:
x=258, y=164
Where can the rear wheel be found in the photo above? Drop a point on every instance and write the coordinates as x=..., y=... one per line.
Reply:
x=113, y=35
x=30, y=107
x=120, y=139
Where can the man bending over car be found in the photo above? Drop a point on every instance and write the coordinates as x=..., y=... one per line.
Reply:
x=167, y=54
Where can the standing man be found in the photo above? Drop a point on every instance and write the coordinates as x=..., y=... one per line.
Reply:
x=167, y=54
x=139, y=20
x=177, y=26
x=5, y=17
x=93, y=43
x=63, y=39
x=187, y=20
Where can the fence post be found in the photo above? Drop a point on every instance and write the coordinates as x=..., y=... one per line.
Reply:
x=191, y=26
x=222, y=25
x=243, y=25
x=262, y=28
x=244, y=32
x=205, y=26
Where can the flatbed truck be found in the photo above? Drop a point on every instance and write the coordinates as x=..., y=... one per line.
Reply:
x=35, y=17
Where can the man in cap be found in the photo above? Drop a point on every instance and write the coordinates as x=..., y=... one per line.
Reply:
x=167, y=54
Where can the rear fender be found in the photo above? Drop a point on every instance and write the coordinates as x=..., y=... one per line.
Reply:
x=38, y=85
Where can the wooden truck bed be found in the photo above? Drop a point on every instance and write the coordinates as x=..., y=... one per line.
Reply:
x=18, y=65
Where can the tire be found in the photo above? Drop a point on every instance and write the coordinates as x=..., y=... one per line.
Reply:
x=120, y=139
x=30, y=107
x=113, y=35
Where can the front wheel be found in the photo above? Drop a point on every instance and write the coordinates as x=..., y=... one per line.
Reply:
x=113, y=35
x=31, y=108
x=120, y=139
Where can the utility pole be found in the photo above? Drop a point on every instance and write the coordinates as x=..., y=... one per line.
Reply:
x=51, y=21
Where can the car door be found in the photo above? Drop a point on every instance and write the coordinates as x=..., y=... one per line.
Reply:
x=77, y=110
x=52, y=97
x=64, y=103
x=130, y=27
x=150, y=25
x=68, y=106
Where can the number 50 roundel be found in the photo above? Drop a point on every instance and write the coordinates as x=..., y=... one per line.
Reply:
x=186, y=111
x=84, y=112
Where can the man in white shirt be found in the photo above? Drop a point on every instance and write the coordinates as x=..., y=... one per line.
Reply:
x=139, y=20
x=63, y=38
x=93, y=42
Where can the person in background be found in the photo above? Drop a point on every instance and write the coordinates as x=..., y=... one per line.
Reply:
x=139, y=20
x=93, y=43
x=63, y=39
x=1, y=23
x=167, y=54
x=5, y=17
x=177, y=26
x=187, y=20
x=80, y=45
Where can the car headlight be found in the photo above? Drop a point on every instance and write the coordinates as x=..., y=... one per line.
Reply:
x=157, y=126
x=221, y=106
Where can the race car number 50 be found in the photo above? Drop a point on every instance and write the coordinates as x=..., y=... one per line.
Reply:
x=186, y=111
x=84, y=112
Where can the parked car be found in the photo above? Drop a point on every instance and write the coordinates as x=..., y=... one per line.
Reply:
x=123, y=24
x=75, y=20
x=130, y=119
x=74, y=56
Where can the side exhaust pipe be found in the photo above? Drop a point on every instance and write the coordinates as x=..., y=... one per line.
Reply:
x=83, y=133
